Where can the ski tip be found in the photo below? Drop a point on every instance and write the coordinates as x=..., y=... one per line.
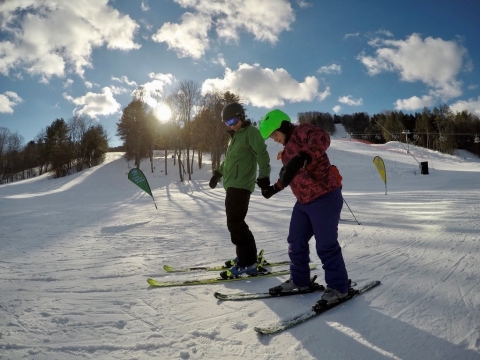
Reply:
x=167, y=268
x=219, y=296
x=260, y=331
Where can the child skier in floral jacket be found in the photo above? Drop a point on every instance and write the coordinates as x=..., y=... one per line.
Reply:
x=316, y=213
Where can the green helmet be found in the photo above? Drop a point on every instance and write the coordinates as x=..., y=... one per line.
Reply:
x=271, y=122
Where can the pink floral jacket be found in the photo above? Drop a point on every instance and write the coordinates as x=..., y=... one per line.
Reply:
x=316, y=178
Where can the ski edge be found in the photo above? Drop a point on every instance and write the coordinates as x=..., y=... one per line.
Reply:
x=254, y=296
x=160, y=284
x=171, y=269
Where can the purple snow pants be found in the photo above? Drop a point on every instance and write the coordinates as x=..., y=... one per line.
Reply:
x=319, y=217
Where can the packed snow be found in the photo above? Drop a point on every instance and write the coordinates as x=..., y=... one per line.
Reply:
x=76, y=253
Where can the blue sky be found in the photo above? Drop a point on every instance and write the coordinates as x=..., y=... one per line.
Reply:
x=58, y=59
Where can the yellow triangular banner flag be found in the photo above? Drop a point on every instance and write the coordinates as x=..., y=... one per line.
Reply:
x=380, y=165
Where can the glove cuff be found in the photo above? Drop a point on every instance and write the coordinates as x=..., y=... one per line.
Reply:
x=278, y=186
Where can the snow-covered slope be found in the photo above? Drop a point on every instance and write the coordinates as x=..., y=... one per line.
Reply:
x=76, y=253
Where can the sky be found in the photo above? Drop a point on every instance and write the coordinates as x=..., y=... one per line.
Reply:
x=89, y=57
x=77, y=251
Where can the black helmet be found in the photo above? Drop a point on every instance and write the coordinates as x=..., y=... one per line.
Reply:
x=232, y=110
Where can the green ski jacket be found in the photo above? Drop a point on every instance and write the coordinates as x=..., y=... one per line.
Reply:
x=245, y=150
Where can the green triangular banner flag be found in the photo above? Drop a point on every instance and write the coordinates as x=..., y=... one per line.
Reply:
x=138, y=178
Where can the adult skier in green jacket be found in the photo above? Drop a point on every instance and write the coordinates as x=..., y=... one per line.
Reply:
x=239, y=171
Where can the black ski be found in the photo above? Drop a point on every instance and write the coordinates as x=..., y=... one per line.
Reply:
x=246, y=296
x=318, y=309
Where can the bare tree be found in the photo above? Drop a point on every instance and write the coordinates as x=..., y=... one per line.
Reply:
x=42, y=156
x=210, y=128
x=4, y=134
x=13, y=156
x=182, y=101
x=78, y=126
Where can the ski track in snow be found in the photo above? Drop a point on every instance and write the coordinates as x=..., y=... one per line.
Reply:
x=76, y=253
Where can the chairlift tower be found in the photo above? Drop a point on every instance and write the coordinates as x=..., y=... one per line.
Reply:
x=407, y=132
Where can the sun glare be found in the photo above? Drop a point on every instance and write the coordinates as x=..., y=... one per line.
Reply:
x=163, y=112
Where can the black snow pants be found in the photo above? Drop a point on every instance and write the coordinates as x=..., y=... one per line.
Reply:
x=236, y=207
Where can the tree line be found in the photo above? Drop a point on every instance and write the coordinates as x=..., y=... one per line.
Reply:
x=439, y=129
x=196, y=128
x=64, y=147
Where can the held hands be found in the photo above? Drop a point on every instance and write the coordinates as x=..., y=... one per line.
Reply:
x=214, y=180
x=263, y=183
x=269, y=191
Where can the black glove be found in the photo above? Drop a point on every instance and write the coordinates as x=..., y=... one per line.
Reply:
x=214, y=180
x=288, y=172
x=263, y=183
x=269, y=191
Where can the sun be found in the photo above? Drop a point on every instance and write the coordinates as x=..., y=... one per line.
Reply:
x=163, y=112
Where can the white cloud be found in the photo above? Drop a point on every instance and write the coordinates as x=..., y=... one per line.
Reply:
x=331, y=69
x=144, y=5
x=48, y=37
x=349, y=100
x=384, y=32
x=8, y=100
x=190, y=37
x=124, y=80
x=323, y=95
x=414, y=103
x=336, y=109
x=220, y=60
x=95, y=104
x=88, y=84
x=67, y=83
x=303, y=3
x=351, y=35
x=151, y=92
x=118, y=90
x=265, y=87
x=435, y=62
x=471, y=105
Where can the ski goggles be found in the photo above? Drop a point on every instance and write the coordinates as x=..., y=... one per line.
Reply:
x=232, y=121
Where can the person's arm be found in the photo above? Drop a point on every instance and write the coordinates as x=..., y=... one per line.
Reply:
x=291, y=169
x=259, y=149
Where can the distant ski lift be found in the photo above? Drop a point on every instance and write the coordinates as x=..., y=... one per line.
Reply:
x=477, y=139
